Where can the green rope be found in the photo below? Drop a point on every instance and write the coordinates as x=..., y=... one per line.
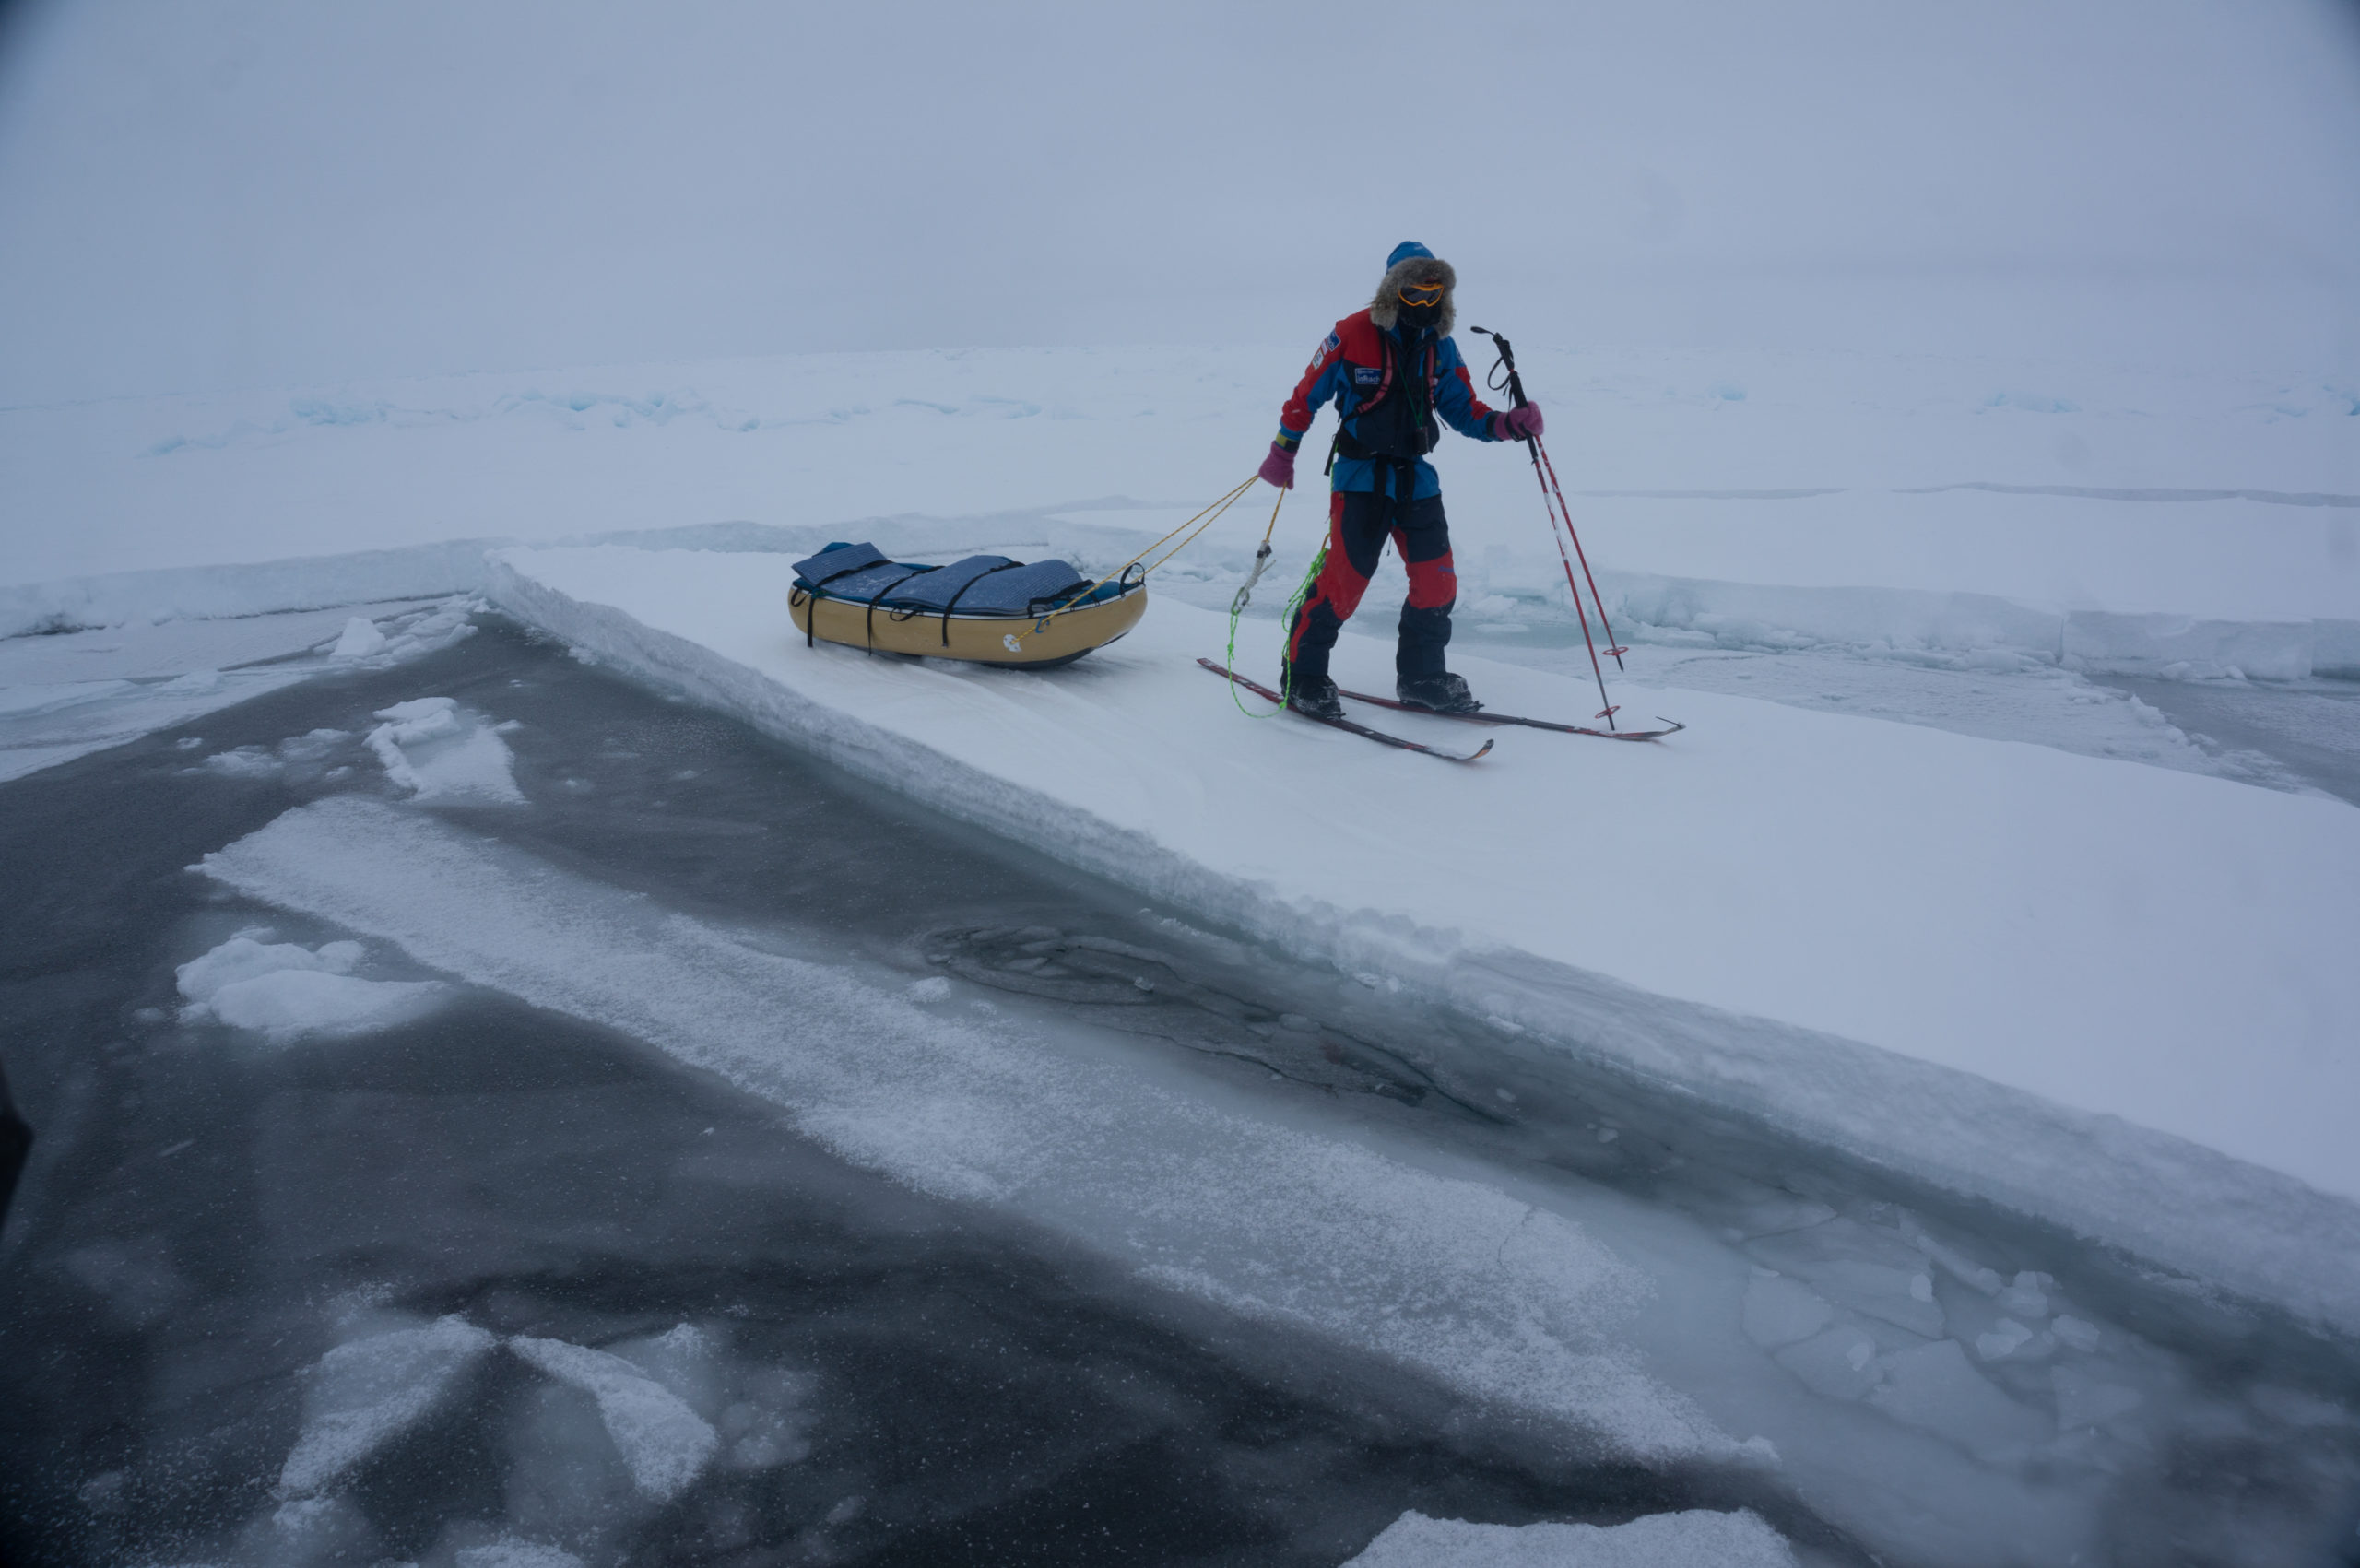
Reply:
x=1286, y=619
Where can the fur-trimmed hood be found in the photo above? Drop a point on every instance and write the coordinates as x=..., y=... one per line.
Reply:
x=1418, y=266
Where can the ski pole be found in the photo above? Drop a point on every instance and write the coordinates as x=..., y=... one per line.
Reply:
x=1597, y=598
x=1552, y=491
x=1552, y=506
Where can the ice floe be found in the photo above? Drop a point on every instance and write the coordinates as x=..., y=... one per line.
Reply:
x=360, y=638
x=438, y=750
x=664, y=1443
x=298, y=754
x=2052, y=1028
x=284, y=989
x=368, y=1391
x=68, y=695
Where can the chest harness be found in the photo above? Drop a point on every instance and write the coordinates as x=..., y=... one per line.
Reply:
x=1394, y=425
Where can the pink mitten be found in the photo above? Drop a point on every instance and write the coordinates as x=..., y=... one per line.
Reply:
x=1519, y=424
x=1279, y=467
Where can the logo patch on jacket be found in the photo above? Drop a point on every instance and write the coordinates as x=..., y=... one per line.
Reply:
x=1319, y=355
x=1367, y=376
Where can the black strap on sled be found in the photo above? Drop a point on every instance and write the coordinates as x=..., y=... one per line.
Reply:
x=963, y=589
x=871, y=617
x=812, y=616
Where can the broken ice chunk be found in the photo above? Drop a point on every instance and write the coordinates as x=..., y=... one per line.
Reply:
x=366, y=1392
x=283, y=989
x=1838, y=1364
x=2005, y=1339
x=2028, y=1297
x=435, y=748
x=1779, y=1311
x=1962, y=1269
x=681, y=1359
x=2074, y=1332
x=251, y=953
x=360, y=639
x=1934, y=1387
x=663, y=1442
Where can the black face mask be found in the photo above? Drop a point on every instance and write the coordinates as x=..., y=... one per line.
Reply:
x=1416, y=320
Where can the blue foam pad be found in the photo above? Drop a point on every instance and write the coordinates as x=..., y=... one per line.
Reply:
x=935, y=590
x=837, y=559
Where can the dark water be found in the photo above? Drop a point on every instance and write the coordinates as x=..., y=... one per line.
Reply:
x=2306, y=733
x=203, y=1218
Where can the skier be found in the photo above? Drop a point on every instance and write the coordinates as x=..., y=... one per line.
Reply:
x=1391, y=368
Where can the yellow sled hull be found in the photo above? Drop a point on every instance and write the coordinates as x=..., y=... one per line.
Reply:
x=979, y=639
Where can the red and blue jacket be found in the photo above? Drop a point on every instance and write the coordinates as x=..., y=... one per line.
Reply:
x=1354, y=367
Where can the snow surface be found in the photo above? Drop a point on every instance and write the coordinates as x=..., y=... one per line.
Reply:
x=285, y=990
x=1696, y=1539
x=2065, y=984
x=1491, y=1293
x=1871, y=495
x=1904, y=509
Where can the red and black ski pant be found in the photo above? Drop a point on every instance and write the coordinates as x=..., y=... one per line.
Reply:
x=1359, y=522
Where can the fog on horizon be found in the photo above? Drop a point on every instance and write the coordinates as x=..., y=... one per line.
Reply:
x=263, y=193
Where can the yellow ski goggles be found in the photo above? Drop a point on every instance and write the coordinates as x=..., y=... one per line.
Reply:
x=1421, y=293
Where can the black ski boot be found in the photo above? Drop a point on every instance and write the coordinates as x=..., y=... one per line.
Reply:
x=1314, y=696
x=1438, y=694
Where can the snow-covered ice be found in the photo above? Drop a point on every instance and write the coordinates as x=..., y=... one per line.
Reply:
x=284, y=990
x=1698, y=1539
x=70, y=693
x=2067, y=984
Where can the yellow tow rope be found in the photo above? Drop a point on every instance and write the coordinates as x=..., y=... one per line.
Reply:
x=1194, y=526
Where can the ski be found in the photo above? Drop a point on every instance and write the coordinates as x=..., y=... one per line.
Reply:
x=1669, y=727
x=1345, y=724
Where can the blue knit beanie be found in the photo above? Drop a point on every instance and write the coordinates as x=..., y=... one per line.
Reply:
x=1404, y=251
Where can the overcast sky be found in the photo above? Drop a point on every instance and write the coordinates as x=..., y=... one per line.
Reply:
x=261, y=192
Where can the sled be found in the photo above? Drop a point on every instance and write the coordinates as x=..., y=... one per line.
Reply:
x=985, y=610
